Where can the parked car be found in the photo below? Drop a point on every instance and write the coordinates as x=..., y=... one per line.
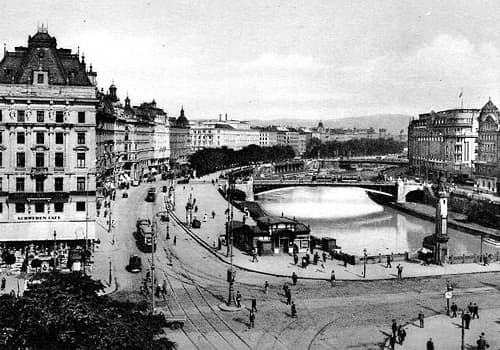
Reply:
x=134, y=264
x=151, y=197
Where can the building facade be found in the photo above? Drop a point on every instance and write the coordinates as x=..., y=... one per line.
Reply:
x=47, y=152
x=444, y=142
x=487, y=165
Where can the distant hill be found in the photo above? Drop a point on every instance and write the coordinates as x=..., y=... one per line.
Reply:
x=392, y=122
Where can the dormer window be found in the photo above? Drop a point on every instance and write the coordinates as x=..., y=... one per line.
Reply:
x=40, y=77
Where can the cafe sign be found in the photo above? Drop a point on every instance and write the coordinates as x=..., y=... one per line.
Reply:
x=45, y=217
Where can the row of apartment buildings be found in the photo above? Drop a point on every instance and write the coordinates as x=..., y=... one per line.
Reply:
x=459, y=143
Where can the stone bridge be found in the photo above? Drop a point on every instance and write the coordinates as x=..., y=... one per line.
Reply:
x=398, y=190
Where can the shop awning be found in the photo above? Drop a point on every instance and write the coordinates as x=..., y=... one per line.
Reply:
x=44, y=231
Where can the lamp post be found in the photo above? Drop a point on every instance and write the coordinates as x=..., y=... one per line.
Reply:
x=55, y=247
x=364, y=263
x=463, y=332
x=230, y=272
x=154, y=228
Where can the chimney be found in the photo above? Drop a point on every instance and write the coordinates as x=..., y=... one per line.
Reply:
x=226, y=117
x=220, y=117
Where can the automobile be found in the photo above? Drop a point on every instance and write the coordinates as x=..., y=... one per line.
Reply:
x=183, y=180
x=144, y=235
x=151, y=196
x=143, y=224
x=165, y=189
x=135, y=183
x=134, y=264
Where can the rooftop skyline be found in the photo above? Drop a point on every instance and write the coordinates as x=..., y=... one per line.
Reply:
x=279, y=59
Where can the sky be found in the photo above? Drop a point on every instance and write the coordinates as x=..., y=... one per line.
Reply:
x=270, y=59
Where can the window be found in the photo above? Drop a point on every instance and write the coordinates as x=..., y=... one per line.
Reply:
x=59, y=160
x=1, y=207
x=80, y=206
x=1, y=158
x=80, y=184
x=81, y=138
x=0, y=115
x=81, y=117
x=59, y=138
x=20, y=184
x=0, y=184
x=39, y=78
x=80, y=160
x=58, y=207
x=40, y=160
x=21, y=160
x=40, y=138
x=20, y=137
x=1, y=139
x=59, y=117
x=58, y=184
x=39, y=185
x=19, y=207
x=20, y=116
x=40, y=116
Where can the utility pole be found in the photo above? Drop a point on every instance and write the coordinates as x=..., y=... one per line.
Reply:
x=463, y=332
x=153, y=265
x=231, y=272
x=364, y=263
x=55, y=252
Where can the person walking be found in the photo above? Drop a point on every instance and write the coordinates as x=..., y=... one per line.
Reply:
x=158, y=291
x=288, y=297
x=430, y=344
x=252, y=319
x=388, y=262
x=213, y=214
x=401, y=335
x=392, y=342
x=421, y=318
x=238, y=299
x=293, y=310
x=254, y=304
x=295, y=259
x=164, y=289
x=266, y=287
x=294, y=278
x=175, y=240
x=482, y=344
x=399, y=271
x=467, y=319
x=4, y=282
x=254, y=256
x=285, y=288
x=205, y=217
x=453, y=309
x=394, y=328
x=332, y=277
x=475, y=311
x=324, y=257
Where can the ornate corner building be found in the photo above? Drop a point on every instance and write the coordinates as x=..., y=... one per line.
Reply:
x=47, y=144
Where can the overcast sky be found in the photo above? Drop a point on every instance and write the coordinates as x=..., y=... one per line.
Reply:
x=279, y=59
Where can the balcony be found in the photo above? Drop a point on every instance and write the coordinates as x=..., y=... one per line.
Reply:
x=39, y=172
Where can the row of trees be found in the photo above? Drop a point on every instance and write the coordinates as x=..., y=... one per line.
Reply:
x=353, y=148
x=212, y=159
x=65, y=312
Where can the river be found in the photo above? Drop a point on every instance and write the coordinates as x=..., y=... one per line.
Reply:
x=350, y=216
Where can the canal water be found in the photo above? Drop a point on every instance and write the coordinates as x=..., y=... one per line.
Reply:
x=357, y=222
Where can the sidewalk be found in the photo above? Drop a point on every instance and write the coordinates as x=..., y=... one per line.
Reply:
x=208, y=199
x=446, y=332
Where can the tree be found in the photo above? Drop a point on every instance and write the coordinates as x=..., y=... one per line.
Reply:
x=65, y=312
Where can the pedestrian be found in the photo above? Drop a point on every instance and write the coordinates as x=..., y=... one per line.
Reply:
x=332, y=277
x=482, y=344
x=158, y=291
x=400, y=271
x=469, y=307
x=421, y=318
x=388, y=261
x=295, y=259
x=164, y=289
x=453, y=309
x=175, y=240
x=475, y=311
x=213, y=214
x=304, y=262
x=401, y=335
x=254, y=304
x=285, y=288
x=254, y=256
x=238, y=299
x=266, y=287
x=12, y=293
x=430, y=344
x=467, y=319
x=344, y=257
x=394, y=328
x=288, y=297
x=315, y=258
x=252, y=319
x=195, y=208
x=4, y=281
x=205, y=217
x=324, y=257
x=294, y=278
x=392, y=342
x=293, y=310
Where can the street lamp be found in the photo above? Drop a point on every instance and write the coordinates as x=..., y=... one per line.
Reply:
x=364, y=263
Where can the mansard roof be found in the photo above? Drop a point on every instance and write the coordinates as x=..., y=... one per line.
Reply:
x=64, y=67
